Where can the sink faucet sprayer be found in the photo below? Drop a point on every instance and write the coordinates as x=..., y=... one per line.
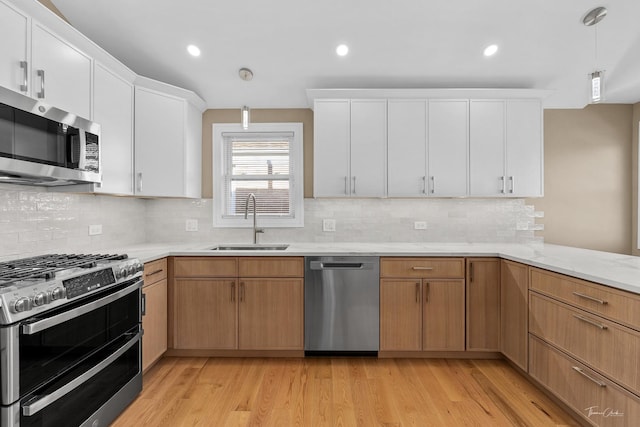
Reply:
x=246, y=210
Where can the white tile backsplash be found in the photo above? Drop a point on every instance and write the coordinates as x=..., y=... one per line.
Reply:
x=34, y=221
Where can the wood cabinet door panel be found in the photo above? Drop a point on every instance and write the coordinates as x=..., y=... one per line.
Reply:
x=154, y=323
x=270, y=314
x=401, y=315
x=205, y=314
x=483, y=304
x=443, y=315
x=513, y=312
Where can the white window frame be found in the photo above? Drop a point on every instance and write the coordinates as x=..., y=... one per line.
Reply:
x=296, y=182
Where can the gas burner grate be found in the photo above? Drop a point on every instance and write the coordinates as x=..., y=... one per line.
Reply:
x=46, y=266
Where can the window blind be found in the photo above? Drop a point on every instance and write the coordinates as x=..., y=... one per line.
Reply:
x=259, y=164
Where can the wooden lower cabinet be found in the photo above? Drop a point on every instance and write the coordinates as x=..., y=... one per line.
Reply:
x=514, y=312
x=154, y=323
x=422, y=315
x=400, y=315
x=270, y=314
x=483, y=304
x=599, y=401
x=205, y=314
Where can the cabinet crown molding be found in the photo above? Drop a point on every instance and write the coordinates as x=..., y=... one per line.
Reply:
x=423, y=93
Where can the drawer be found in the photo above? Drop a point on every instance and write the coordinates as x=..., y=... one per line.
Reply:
x=440, y=268
x=205, y=267
x=597, y=399
x=610, y=348
x=617, y=305
x=155, y=271
x=271, y=267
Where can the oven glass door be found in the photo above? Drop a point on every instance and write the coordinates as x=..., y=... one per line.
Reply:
x=100, y=377
x=60, y=340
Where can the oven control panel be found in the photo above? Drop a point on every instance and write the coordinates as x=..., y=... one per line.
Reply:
x=28, y=298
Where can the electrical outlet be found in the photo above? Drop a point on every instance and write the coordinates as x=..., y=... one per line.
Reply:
x=191, y=225
x=420, y=225
x=328, y=225
x=95, y=229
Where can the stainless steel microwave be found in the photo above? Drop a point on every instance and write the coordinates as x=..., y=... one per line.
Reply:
x=43, y=145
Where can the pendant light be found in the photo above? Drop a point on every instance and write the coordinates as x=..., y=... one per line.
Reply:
x=596, y=78
x=245, y=74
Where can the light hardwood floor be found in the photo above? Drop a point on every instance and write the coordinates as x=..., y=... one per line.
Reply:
x=338, y=392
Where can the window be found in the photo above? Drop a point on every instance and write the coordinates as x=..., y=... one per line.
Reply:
x=265, y=160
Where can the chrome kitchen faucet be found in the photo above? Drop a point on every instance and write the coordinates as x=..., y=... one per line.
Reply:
x=246, y=210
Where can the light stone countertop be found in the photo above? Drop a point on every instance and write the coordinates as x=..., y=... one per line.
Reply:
x=615, y=270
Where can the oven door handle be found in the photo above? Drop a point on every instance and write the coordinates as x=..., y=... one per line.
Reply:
x=35, y=327
x=36, y=406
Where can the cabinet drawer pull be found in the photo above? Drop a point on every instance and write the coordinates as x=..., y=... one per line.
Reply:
x=590, y=298
x=584, y=374
x=421, y=268
x=591, y=322
x=153, y=273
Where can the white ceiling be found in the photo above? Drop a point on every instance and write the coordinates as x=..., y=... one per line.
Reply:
x=290, y=45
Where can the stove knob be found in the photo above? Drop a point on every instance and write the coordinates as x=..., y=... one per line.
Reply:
x=139, y=267
x=21, y=304
x=57, y=293
x=131, y=270
x=123, y=272
x=40, y=299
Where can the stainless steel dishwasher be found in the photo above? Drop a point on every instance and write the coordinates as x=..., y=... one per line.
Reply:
x=341, y=305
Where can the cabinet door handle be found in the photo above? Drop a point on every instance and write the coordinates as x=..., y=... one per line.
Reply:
x=591, y=322
x=503, y=179
x=346, y=190
x=513, y=184
x=140, y=181
x=426, y=298
x=471, y=272
x=233, y=291
x=584, y=374
x=417, y=267
x=143, y=303
x=241, y=291
x=417, y=292
x=24, y=87
x=354, y=185
x=590, y=298
x=433, y=185
x=424, y=185
x=40, y=74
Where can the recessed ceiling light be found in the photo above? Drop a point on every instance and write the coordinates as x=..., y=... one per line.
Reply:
x=342, y=50
x=490, y=50
x=193, y=50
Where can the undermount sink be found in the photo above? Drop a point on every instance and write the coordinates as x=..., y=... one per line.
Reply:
x=250, y=247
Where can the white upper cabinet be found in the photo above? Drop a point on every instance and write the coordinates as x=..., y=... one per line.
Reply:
x=407, y=148
x=14, y=33
x=524, y=170
x=331, y=139
x=368, y=148
x=113, y=110
x=60, y=73
x=168, y=142
x=349, y=148
x=448, y=142
x=487, y=147
x=506, y=148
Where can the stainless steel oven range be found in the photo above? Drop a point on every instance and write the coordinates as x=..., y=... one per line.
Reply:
x=70, y=339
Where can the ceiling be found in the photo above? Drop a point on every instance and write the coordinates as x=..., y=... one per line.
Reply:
x=290, y=45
